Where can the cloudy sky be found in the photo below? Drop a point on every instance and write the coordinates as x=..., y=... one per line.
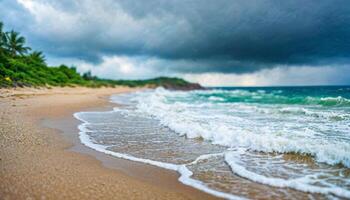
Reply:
x=216, y=43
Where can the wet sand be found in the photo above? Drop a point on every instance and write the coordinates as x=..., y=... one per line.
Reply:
x=41, y=156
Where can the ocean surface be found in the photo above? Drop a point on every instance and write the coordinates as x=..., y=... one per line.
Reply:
x=236, y=143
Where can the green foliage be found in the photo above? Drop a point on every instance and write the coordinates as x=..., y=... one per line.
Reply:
x=2, y=37
x=88, y=76
x=37, y=56
x=14, y=43
x=18, y=69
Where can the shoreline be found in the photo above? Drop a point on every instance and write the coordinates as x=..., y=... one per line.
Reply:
x=183, y=173
x=49, y=112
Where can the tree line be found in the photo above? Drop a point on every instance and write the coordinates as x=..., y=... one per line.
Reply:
x=20, y=66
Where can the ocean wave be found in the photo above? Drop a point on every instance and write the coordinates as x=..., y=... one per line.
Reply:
x=272, y=97
x=312, y=126
x=185, y=173
x=232, y=131
x=337, y=101
x=304, y=183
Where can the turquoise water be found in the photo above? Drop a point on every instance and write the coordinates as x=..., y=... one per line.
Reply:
x=324, y=96
x=278, y=142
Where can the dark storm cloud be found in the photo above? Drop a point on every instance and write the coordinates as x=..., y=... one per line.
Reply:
x=294, y=32
x=202, y=35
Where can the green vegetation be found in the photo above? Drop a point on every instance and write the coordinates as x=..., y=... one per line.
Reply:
x=19, y=67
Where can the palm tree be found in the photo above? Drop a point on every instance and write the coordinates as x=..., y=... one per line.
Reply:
x=15, y=43
x=37, y=56
x=2, y=37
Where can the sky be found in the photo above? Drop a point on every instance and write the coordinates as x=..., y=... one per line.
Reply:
x=215, y=43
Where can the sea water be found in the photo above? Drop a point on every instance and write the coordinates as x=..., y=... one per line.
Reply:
x=265, y=142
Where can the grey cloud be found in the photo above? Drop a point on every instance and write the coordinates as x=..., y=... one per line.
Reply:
x=255, y=31
x=194, y=36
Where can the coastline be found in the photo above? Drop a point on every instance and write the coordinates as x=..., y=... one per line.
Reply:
x=42, y=157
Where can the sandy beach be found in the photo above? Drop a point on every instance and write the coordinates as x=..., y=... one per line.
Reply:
x=41, y=157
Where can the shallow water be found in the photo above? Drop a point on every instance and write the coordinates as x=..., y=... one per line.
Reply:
x=287, y=143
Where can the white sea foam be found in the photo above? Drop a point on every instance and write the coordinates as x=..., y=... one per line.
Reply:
x=302, y=129
x=212, y=98
x=185, y=173
x=329, y=101
x=301, y=184
x=246, y=131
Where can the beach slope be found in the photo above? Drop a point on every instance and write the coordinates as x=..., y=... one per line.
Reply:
x=36, y=163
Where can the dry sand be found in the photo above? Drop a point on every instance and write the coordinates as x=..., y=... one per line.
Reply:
x=37, y=162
